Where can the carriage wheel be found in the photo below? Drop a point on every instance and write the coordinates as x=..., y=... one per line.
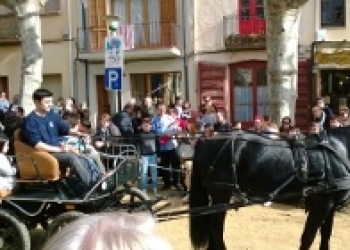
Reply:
x=61, y=221
x=13, y=233
x=134, y=200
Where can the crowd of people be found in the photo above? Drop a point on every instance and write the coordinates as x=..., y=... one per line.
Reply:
x=151, y=126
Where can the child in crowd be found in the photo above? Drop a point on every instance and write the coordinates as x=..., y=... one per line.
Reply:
x=7, y=171
x=148, y=155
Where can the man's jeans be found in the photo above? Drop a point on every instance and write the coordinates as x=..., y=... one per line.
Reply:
x=149, y=161
x=77, y=165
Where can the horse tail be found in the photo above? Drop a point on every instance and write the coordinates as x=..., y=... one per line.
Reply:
x=199, y=229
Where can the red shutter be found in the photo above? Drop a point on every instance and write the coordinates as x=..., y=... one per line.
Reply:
x=212, y=83
x=303, y=103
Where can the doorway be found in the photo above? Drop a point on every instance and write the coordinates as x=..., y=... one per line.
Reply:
x=4, y=85
x=335, y=88
x=103, y=105
x=249, y=91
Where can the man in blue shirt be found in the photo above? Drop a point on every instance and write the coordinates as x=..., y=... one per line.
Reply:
x=165, y=126
x=42, y=129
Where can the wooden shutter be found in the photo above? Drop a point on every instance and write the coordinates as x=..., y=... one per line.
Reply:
x=212, y=83
x=168, y=22
x=97, y=24
x=304, y=100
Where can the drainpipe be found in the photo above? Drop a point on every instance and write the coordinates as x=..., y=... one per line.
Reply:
x=70, y=48
x=84, y=6
x=87, y=83
x=184, y=48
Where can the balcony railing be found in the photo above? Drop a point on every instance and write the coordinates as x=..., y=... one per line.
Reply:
x=244, y=32
x=136, y=36
x=8, y=29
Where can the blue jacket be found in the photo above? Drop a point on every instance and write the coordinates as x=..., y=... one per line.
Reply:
x=162, y=126
x=46, y=129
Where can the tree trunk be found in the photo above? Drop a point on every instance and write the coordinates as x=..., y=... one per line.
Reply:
x=29, y=24
x=282, y=18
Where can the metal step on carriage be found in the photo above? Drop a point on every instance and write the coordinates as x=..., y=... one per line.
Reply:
x=40, y=199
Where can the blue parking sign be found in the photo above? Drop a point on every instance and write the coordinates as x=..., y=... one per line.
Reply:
x=113, y=78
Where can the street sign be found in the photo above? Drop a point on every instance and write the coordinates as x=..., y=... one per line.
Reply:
x=114, y=62
x=114, y=56
x=113, y=78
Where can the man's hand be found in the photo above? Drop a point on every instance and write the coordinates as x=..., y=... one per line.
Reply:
x=99, y=144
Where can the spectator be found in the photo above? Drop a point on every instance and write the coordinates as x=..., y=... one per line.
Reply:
x=58, y=107
x=7, y=171
x=334, y=122
x=123, y=120
x=286, y=125
x=137, y=120
x=148, y=153
x=208, y=118
x=221, y=124
x=105, y=129
x=181, y=123
x=258, y=124
x=272, y=131
x=237, y=125
x=178, y=106
x=165, y=126
x=186, y=110
x=4, y=103
x=327, y=112
x=15, y=103
x=148, y=109
x=319, y=117
x=315, y=128
x=344, y=116
x=109, y=231
x=42, y=130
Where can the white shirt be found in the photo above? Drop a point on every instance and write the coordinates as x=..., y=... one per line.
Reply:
x=7, y=173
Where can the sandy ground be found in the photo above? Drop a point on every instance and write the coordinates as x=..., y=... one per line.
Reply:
x=259, y=228
x=256, y=228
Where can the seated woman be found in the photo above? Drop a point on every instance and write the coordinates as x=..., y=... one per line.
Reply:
x=7, y=171
x=82, y=145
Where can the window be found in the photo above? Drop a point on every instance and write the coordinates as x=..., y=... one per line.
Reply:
x=251, y=17
x=333, y=12
x=163, y=86
x=152, y=20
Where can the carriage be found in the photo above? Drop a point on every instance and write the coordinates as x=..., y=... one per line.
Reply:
x=41, y=200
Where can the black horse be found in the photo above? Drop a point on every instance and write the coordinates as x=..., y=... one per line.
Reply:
x=252, y=168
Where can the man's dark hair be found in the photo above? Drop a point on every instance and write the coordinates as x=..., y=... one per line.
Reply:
x=40, y=94
x=159, y=103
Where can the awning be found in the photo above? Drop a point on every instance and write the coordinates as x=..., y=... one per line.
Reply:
x=332, y=54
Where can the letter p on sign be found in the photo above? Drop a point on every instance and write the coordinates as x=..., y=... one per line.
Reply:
x=113, y=78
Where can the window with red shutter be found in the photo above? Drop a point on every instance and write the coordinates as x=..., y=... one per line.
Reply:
x=251, y=17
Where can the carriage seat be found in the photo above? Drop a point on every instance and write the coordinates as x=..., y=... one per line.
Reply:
x=33, y=164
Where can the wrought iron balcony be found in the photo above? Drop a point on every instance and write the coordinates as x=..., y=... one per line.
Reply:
x=241, y=33
x=136, y=36
x=8, y=29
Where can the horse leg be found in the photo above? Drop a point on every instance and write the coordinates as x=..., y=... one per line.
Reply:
x=326, y=230
x=217, y=220
x=320, y=208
